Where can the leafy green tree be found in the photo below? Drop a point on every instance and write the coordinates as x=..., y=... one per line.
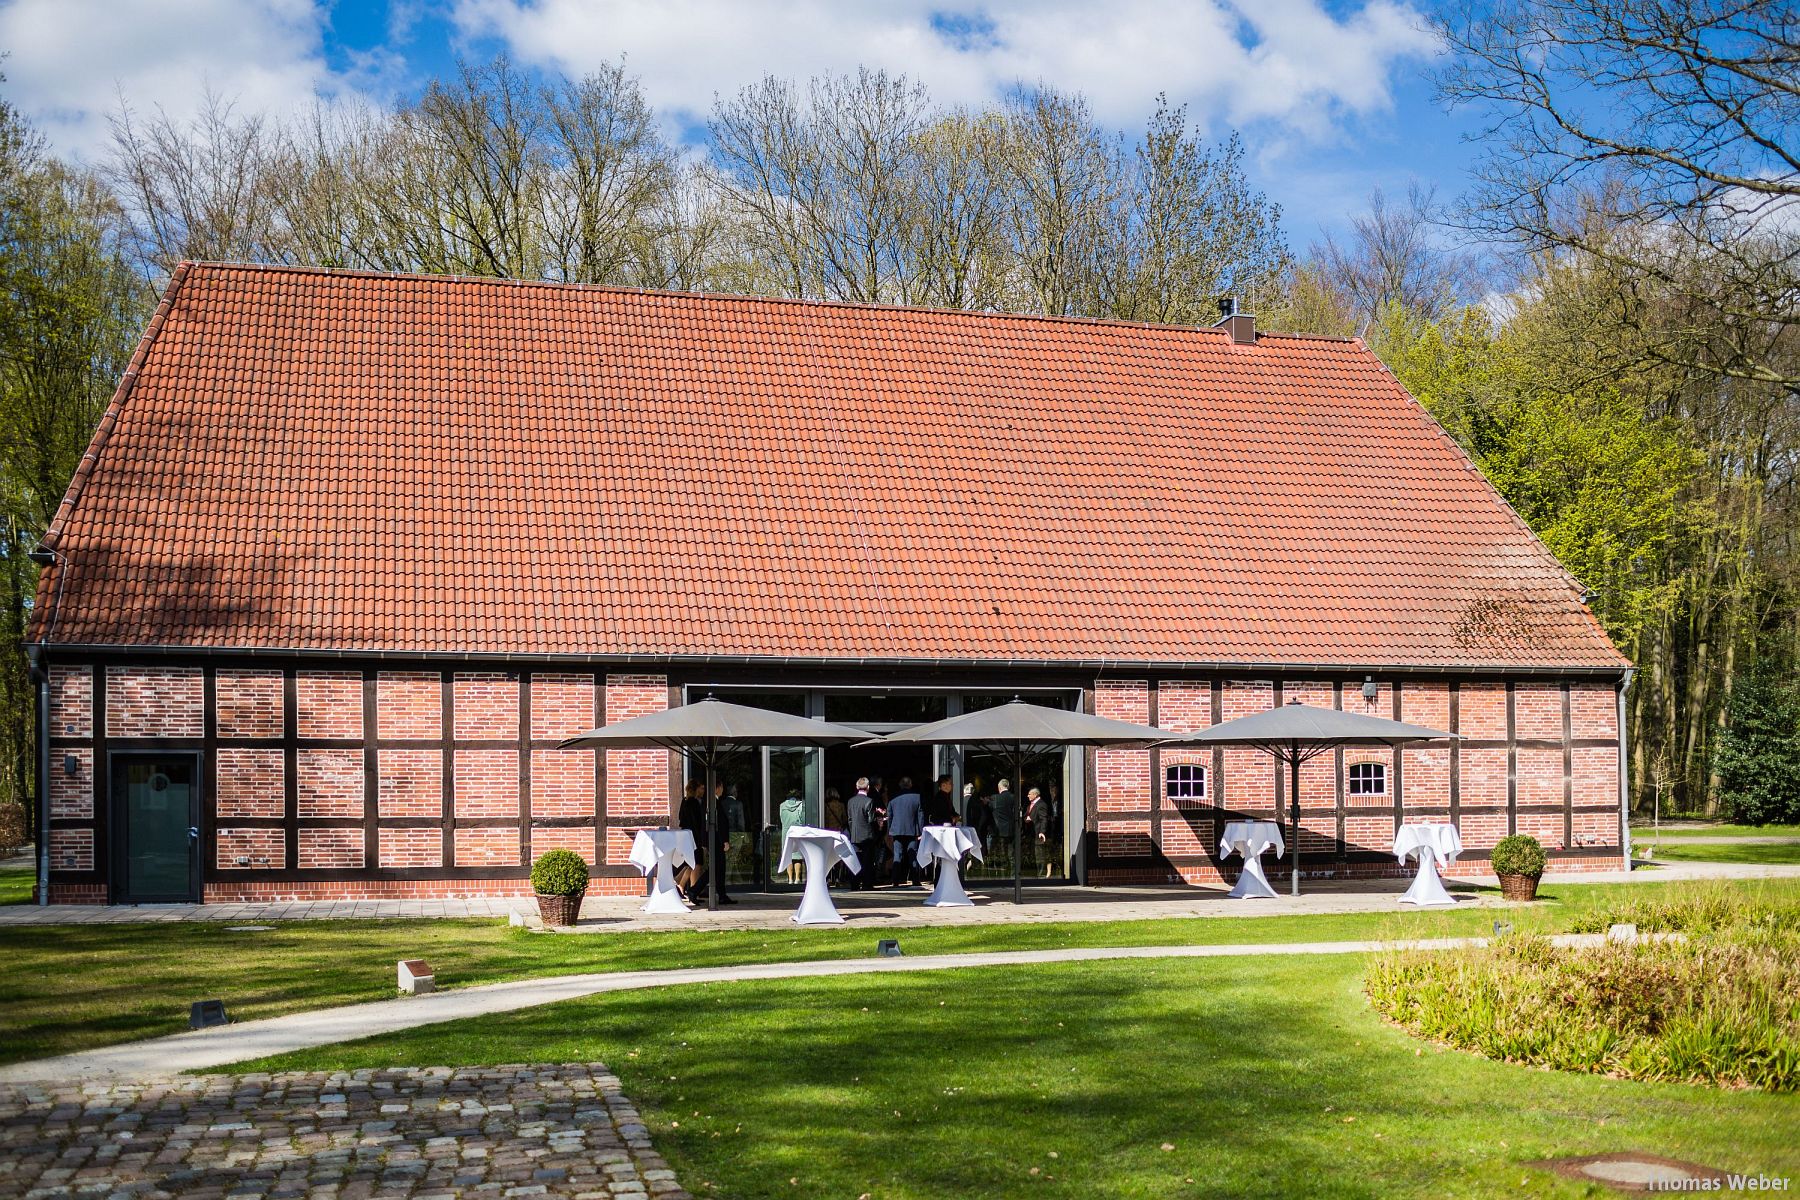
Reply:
x=1758, y=755
x=71, y=309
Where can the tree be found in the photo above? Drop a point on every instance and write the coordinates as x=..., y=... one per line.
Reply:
x=1657, y=137
x=195, y=190
x=71, y=308
x=1394, y=256
x=1758, y=757
x=1190, y=229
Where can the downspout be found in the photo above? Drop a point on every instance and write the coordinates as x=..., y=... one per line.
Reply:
x=42, y=675
x=1625, y=770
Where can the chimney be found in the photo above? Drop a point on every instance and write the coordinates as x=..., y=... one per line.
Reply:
x=1241, y=325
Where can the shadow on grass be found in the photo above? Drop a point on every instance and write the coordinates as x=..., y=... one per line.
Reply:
x=1266, y=1078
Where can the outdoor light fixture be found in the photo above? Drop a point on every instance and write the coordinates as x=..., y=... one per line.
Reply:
x=204, y=1014
x=888, y=948
x=1502, y=928
x=1370, y=691
x=71, y=765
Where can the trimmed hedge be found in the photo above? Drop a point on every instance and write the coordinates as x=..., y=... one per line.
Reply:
x=559, y=873
x=1519, y=854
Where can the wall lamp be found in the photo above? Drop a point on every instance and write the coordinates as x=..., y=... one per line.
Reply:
x=1370, y=691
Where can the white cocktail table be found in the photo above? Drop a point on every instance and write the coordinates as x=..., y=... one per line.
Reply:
x=820, y=850
x=1434, y=846
x=659, y=852
x=947, y=844
x=1250, y=839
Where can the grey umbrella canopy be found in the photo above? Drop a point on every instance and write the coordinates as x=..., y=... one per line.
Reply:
x=705, y=732
x=1017, y=731
x=1296, y=732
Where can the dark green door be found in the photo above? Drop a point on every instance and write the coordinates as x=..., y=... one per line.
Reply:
x=156, y=824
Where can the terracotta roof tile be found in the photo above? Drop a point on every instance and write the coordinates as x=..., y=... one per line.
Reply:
x=330, y=460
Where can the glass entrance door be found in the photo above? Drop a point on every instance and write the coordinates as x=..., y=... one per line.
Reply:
x=156, y=821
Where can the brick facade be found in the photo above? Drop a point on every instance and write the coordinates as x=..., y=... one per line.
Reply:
x=403, y=780
x=1539, y=757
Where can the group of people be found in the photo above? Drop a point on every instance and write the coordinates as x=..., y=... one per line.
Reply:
x=884, y=828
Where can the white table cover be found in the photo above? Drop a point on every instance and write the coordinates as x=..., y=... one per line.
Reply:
x=820, y=850
x=659, y=852
x=1250, y=839
x=947, y=844
x=1434, y=846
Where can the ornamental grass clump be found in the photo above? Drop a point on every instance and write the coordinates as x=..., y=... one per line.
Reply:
x=1719, y=1006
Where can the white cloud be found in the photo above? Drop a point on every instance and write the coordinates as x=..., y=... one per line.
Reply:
x=1286, y=62
x=70, y=60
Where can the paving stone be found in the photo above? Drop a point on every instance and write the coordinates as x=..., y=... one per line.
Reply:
x=397, y=1133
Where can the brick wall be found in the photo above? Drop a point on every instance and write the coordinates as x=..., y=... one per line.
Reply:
x=248, y=704
x=329, y=782
x=329, y=704
x=1488, y=785
x=409, y=704
x=72, y=701
x=637, y=781
x=461, y=804
x=249, y=782
x=487, y=706
x=153, y=702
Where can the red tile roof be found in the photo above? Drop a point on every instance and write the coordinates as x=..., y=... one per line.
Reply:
x=304, y=459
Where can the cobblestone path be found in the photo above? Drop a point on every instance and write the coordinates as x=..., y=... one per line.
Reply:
x=516, y=1131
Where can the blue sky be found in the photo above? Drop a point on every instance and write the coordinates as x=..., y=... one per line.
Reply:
x=1332, y=98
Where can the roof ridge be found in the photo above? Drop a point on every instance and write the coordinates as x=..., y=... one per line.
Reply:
x=740, y=297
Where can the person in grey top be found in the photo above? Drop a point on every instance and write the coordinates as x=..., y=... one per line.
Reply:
x=906, y=813
x=863, y=833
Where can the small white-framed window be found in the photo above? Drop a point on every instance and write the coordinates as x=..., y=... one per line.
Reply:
x=1185, y=781
x=1368, y=779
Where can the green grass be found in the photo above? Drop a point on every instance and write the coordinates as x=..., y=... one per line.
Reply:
x=16, y=883
x=1648, y=833
x=77, y=986
x=1267, y=1077
x=1762, y=853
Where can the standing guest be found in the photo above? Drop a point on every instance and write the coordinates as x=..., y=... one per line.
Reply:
x=691, y=816
x=793, y=812
x=1005, y=809
x=864, y=833
x=905, y=822
x=1037, y=828
x=940, y=808
x=978, y=816
x=836, y=817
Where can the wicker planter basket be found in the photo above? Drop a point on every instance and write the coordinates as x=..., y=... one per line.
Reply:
x=560, y=910
x=1518, y=887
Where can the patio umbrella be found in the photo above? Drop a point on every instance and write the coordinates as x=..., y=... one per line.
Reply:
x=1016, y=731
x=1296, y=732
x=704, y=732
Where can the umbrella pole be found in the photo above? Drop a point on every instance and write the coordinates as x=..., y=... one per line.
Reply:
x=714, y=863
x=1018, y=822
x=1294, y=804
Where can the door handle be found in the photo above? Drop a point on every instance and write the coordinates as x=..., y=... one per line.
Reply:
x=193, y=833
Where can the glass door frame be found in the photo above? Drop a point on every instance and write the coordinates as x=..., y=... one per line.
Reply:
x=118, y=828
x=945, y=759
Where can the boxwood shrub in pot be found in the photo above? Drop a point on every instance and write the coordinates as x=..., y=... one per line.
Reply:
x=1519, y=862
x=560, y=879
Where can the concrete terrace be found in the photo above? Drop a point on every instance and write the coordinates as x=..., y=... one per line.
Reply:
x=896, y=908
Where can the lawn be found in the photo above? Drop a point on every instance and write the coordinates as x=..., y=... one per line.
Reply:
x=1763, y=853
x=1648, y=833
x=77, y=986
x=1263, y=1077
x=16, y=884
